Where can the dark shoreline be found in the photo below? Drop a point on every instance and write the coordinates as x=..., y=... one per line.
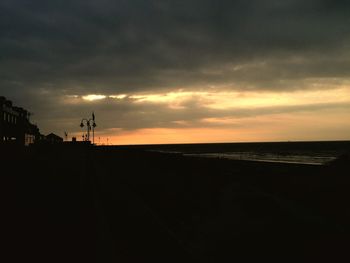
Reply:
x=108, y=204
x=283, y=146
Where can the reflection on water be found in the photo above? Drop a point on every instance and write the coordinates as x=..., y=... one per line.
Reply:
x=313, y=153
x=269, y=157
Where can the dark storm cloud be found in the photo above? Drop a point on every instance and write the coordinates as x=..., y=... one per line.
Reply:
x=55, y=48
x=126, y=45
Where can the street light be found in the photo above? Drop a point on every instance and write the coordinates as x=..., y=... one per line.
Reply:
x=90, y=124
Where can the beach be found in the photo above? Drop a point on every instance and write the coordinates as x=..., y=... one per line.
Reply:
x=120, y=204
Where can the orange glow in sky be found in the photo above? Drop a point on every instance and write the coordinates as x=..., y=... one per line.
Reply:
x=228, y=116
x=276, y=127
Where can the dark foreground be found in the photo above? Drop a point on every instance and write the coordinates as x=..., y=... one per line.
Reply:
x=69, y=204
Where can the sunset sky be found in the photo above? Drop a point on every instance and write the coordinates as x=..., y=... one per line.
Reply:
x=180, y=71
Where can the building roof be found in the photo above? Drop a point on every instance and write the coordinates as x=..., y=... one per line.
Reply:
x=54, y=137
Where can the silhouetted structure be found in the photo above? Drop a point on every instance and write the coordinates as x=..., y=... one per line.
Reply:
x=15, y=126
x=90, y=125
x=53, y=138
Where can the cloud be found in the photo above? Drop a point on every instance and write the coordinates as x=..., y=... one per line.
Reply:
x=55, y=49
x=139, y=45
x=183, y=109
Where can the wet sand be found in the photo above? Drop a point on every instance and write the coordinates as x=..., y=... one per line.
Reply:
x=110, y=204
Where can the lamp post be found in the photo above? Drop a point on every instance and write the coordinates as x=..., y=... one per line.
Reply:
x=90, y=124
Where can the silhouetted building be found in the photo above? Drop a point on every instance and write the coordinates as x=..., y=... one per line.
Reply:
x=15, y=126
x=53, y=138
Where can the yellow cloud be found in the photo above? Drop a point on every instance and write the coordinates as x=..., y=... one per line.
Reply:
x=119, y=97
x=246, y=99
x=92, y=97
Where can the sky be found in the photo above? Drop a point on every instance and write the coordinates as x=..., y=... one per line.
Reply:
x=180, y=71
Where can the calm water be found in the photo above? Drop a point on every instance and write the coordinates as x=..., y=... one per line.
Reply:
x=271, y=157
x=313, y=153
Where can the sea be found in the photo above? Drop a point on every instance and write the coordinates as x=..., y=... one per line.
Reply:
x=305, y=152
